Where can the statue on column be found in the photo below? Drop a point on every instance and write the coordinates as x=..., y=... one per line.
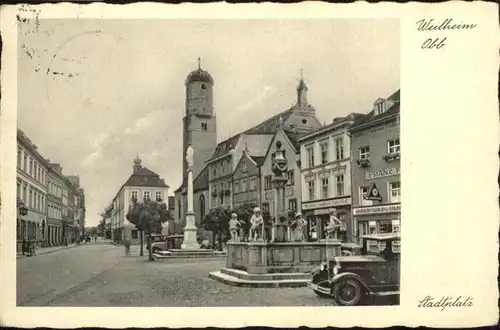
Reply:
x=333, y=226
x=234, y=225
x=256, y=222
x=189, y=157
x=297, y=227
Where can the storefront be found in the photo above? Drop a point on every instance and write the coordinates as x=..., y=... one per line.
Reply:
x=317, y=214
x=377, y=219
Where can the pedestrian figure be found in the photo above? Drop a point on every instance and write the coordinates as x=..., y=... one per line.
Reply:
x=127, y=247
x=233, y=227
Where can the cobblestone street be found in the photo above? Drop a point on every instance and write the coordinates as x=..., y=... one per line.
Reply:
x=99, y=274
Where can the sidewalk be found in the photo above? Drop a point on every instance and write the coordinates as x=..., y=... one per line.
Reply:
x=41, y=251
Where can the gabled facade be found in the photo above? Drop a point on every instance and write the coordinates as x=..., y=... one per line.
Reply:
x=246, y=180
x=142, y=184
x=288, y=141
x=326, y=176
x=375, y=163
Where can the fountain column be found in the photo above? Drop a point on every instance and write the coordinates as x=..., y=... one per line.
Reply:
x=279, y=168
x=190, y=242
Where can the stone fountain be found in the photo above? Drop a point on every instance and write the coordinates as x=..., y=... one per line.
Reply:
x=280, y=262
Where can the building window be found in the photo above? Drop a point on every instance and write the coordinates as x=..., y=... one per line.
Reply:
x=159, y=196
x=290, y=176
x=243, y=185
x=19, y=157
x=310, y=188
x=135, y=195
x=30, y=169
x=395, y=192
x=340, y=185
x=251, y=184
x=25, y=163
x=204, y=126
x=396, y=226
x=363, y=191
x=324, y=188
x=265, y=207
x=221, y=194
x=267, y=182
x=39, y=178
x=236, y=187
x=339, y=148
x=25, y=190
x=146, y=195
x=179, y=208
x=364, y=153
x=393, y=146
x=324, y=152
x=202, y=207
x=30, y=200
x=292, y=204
x=310, y=157
x=379, y=108
x=244, y=166
x=214, y=170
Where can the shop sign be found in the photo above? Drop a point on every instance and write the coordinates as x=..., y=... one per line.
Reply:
x=373, y=193
x=382, y=173
x=326, y=203
x=270, y=194
x=377, y=209
x=324, y=211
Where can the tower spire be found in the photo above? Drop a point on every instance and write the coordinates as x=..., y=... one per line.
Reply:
x=199, y=63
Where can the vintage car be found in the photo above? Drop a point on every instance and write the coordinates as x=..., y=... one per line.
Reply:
x=352, y=280
x=165, y=242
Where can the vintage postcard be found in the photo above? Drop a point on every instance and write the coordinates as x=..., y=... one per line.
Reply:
x=324, y=164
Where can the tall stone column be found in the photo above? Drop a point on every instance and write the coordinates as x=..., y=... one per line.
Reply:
x=190, y=242
x=279, y=168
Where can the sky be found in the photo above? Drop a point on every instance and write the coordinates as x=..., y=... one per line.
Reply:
x=94, y=94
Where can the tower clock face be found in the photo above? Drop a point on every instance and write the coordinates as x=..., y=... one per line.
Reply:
x=203, y=86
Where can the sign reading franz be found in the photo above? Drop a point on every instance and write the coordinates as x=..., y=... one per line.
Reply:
x=326, y=203
x=377, y=209
x=382, y=173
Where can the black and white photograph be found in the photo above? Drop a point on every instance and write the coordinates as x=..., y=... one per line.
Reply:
x=179, y=163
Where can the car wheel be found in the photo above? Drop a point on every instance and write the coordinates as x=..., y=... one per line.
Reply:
x=322, y=282
x=348, y=292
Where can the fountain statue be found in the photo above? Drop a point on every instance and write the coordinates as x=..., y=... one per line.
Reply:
x=279, y=168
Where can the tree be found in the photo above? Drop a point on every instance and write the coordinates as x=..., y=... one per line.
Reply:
x=148, y=217
x=217, y=220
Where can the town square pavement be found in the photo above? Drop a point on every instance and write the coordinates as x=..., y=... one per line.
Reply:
x=99, y=274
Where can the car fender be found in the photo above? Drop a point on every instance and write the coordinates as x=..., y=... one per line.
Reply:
x=343, y=276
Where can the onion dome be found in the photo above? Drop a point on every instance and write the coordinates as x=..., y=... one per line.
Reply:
x=199, y=75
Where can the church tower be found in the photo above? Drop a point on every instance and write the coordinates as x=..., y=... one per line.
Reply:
x=200, y=129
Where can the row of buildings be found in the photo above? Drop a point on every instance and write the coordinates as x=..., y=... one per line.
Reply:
x=55, y=202
x=351, y=165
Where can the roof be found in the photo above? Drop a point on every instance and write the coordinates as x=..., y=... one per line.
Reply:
x=337, y=123
x=199, y=75
x=293, y=137
x=225, y=146
x=144, y=177
x=201, y=181
x=259, y=160
x=371, y=119
x=269, y=126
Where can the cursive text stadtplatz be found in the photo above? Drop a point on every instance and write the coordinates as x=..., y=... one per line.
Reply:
x=445, y=302
x=427, y=25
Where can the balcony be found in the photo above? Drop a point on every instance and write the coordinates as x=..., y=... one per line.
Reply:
x=392, y=157
x=364, y=162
